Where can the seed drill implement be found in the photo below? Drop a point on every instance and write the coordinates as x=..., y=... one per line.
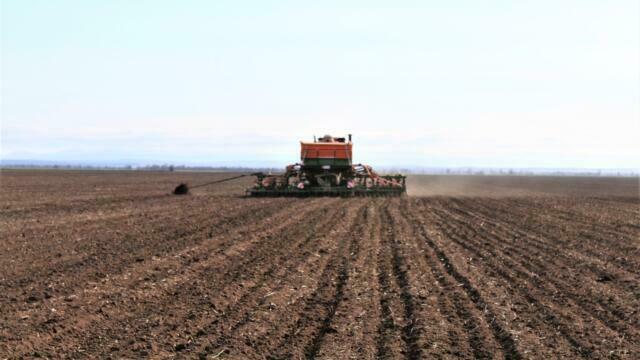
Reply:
x=325, y=169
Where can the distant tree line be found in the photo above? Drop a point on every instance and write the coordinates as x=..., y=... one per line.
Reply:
x=382, y=170
x=152, y=167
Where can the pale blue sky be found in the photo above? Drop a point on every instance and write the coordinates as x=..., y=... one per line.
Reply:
x=424, y=83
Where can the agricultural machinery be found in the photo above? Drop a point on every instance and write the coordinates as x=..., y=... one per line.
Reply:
x=325, y=169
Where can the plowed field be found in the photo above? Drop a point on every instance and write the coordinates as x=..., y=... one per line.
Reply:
x=112, y=265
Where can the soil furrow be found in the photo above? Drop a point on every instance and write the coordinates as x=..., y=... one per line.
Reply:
x=285, y=298
x=300, y=244
x=355, y=320
x=102, y=264
x=411, y=330
x=162, y=281
x=117, y=257
x=502, y=336
x=230, y=275
x=314, y=321
x=507, y=273
x=542, y=241
x=536, y=220
x=607, y=309
x=453, y=302
x=392, y=340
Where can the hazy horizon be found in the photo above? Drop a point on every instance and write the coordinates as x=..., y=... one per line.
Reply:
x=462, y=84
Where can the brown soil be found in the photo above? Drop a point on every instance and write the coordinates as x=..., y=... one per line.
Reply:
x=108, y=264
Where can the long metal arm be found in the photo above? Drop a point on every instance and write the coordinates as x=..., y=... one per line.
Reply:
x=219, y=181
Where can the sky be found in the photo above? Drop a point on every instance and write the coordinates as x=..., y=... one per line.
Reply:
x=549, y=84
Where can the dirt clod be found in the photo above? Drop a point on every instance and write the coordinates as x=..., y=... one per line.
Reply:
x=181, y=189
x=604, y=277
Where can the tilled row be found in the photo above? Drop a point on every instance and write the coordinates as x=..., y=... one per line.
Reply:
x=539, y=293
x=597, y=237
x=118, y=292
x=342, y=278
x=474, y=329
x=605, y=300
x=191, y=303
x=103, y=240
